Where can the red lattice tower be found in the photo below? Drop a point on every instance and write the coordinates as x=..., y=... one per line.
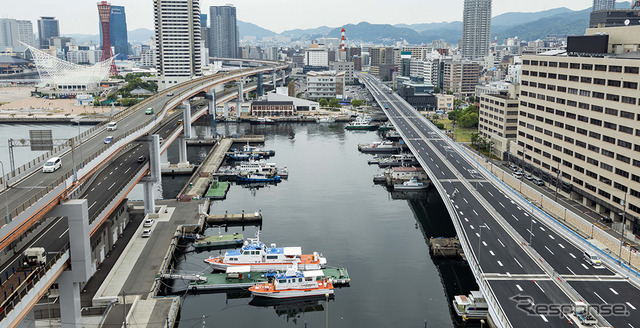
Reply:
x=104, y=11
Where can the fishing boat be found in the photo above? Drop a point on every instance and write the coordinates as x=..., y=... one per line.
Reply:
x=399, y=160
x=253, y=166
x=361, y=124
x=473, y=306
x=255, y=150
x=263, y=121
x=283, y=172
x=255, y=177
x=380, y=147
x=326, y=119
x=412, y=184
x=386, y=127
x=265, y=258
x=294, y=283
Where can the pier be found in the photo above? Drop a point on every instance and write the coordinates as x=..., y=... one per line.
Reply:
x=254, y=218
x=202, y=178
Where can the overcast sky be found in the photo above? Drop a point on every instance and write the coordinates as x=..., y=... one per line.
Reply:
x=81, y=16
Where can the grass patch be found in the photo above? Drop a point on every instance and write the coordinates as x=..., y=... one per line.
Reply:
x=461, y=134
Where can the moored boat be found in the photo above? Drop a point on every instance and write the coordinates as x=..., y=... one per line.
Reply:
x=473, y=306
x=386, y=127
x=326, y=119
x=294, y=283
x=399, y=160
x=412, y=184
x=380, y=147
x=255, y=177
x=265, y=258
x=262, y=121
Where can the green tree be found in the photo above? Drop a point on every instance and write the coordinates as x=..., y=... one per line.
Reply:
x=335, y=103
x=468, y=120
x=323, y=102
x=357, y=103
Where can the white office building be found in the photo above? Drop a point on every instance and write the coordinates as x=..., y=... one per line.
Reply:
x=327, y=85
x=13, y=31
x=316, y=57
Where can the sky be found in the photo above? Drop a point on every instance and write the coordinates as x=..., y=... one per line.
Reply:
x=81, y=16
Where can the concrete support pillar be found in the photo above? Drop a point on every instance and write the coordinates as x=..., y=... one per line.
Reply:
x=211, y=96
x=259, y=88
x=284, y=77
x=186, y=121
x=29, y=321
x=240, y=98
x=70, y=307
x=182, y=151
x=273, y=78
x=164, y=158
x=225, y=113
x=77, y=213
x=149, y=197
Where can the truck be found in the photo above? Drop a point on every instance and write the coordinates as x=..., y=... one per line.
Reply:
x=34, y=256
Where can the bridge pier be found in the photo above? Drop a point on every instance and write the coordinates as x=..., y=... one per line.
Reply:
x=284, y=76
x=273, y=78
x=77, y=213
x=211, y=96
x=154, y=176
x=186, y=120
x=225, y=113
x=240, y=98
x=259, y=88
x=182, y=151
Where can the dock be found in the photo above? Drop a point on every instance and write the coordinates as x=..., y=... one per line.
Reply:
x=201, y=179
x=217, y=190
x=235, y=239
x=176, y=169
x=235, y=219
x=249, y=139
x=223, y=281
x=445, y=247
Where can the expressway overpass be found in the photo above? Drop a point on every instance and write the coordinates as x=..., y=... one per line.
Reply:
x=95, y=182
x=514, y=250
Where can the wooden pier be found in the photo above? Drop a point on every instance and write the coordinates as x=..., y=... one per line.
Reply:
x=254, y=218
x=249, y=139
x=445, y=247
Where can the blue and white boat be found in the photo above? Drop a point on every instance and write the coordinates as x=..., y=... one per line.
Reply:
x=265, y=258
x=241, y=156
x=258, y=178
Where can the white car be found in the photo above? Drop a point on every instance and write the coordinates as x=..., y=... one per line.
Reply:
x=147, y=223
x=52, y=164
x=146, y=233
x=112, y=126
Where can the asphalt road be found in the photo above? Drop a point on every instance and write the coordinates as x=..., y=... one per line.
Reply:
x=480, y=203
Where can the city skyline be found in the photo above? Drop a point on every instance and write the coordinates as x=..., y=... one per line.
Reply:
x=261, y=13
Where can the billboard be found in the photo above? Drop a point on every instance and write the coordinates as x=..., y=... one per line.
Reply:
x=41, y=140
x=588, y=44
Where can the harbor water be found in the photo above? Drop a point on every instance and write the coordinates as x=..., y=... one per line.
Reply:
x=329, y=204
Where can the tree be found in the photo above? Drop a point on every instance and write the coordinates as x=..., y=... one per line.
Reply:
x=468, y=120
x=357, y=103
x=335, y=103
x=323, y=102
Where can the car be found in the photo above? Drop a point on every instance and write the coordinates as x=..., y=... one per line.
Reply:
x=513, y=167
x=180, y=122
x=108, y=139
x=538, y=181
x=528, y=176
x=146, y=233
x=606, y=219
x=141, y=159
x=592, y=259
x=517, y=175
x=170, y=94
x=147, y=223
x=112, y=126
x=52, y=164
x=149, y=111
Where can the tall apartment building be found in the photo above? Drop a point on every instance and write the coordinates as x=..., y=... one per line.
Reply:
x=177, y=32
x=426, y=69
x=327, y=85
x=476, y=28
x=346, y=67
x=604, y=4
x=224, y=35
x=382, y=62
x=118, y=32
x=498, y=116
x=579, y=120
x=13, y=31
x=48, y=27
x=460, y=77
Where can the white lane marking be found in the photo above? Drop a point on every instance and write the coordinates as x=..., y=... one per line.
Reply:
x=99, y=183
x=501, y=204
x=500, y=241
x=63, y=233
x=602, y=299
x=457, y=206
x=492, y=253
x=105, y=178
x=121, y=164
x=560, y=245
x=460, y=212
x=471, y=226
x=484, y=243
x=113, y=184
x=490, y=193
x=613, y=291
x=442, y=172
x=584, y=266
x=110, y=173
x=477, y=235
x=549, y=250
x=550, y=236
x=519, y=288
x=541, y=228
x=568, y=268
x=92, y=205
x=543, y=318
x=518, y=262
x=525, y=214
x=127, y=170
x=438, y=166
x=515, y=217
x=529, y=231
x=631, y=306
x=465, y=200
x=466, y=220
x=500, y=263
x=94, y=188
x=474, y=212
x=571, y=254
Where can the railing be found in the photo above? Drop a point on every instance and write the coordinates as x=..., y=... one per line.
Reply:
x=12, y=300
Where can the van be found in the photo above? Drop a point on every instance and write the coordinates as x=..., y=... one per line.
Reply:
x=52, y=164
x=538, y=181
x=592, y=259
x=112, y=126
x=517, y=175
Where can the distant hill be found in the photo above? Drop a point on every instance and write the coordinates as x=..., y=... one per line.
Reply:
x=140, y=35
x=300, y=33
x=250, y=29
x=516, y=18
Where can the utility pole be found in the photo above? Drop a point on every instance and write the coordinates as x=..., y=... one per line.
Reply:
x=558, y=183
x=624, y=212
x=124, y=309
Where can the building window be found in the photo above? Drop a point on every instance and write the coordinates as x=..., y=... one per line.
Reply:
x=624, y=144
x=613, y=97
x=615, y=68
x=613, y=83
x=611, y=111
x=630, y=70
x=625, y=129
x=629, y=100
x=630, y=85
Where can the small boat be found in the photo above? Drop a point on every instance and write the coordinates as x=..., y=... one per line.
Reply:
x=253, y=166
x=219, y=240
x=294, y=283
x=379, y=178
x=258, y=178
x=399, y=160
x=361, y=123
x=263, y=258
x=473, y=306
x=255, y=150
x=412, y=184
x=386, y=127
x=393, y=135
x=263, y=121
x=241, y=156
x=283, y=172
x=326, y=119
x=380, y=147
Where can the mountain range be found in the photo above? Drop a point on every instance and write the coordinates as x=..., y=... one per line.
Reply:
x=527, y=26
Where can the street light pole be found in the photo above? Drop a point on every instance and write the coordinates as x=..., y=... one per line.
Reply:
x=624, y=212
x=6, y=192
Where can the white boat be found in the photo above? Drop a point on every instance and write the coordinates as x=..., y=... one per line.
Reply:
x=380, y=147
x=412, y=184
x=473, y=306
x=294, y=283
x=253, y=166
x=326, y=119
x=262, y=258
x=263, y=120
x=283, y=172
x=399, y=160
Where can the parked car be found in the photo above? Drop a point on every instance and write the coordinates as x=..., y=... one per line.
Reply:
x=538, y=181
x=513, y=167
x=528, y=176
x=52, y=164
x=108, y=139
x=149, y=111
x=146, y=233
x=606, y=219
x=147, y=223
x=517, y=175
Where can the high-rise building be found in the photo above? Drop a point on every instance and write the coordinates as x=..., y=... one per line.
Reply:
x=604, y=4
x=476, y=28
x=104, y=13
x=498, y=115
x=13, y=31
x=118, y=32
x=460, y=77
x=177, y=32
x=205, y=34
x=48, y=27
x=223, y=34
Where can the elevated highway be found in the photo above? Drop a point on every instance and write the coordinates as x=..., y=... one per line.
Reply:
x=516, y=252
